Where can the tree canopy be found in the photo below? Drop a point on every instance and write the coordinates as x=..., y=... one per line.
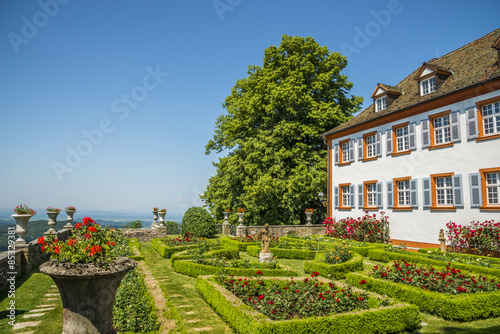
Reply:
x=276, y=161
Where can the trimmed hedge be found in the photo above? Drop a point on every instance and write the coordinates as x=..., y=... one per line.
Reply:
x=383, y=256
x=133, y=244
x=228, y=253
x=193, y=269
x=363, y=250
x=166, y=251
x=494, y=260
x=242, y=246
x=338, y=270
x=463, y=307
x=389, y=319
x=282, y=253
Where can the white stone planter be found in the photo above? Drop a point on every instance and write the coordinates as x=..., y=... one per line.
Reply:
x=21, y=227
x=52, y=222
x=69, y=219
x=240, y=218
x=154, y=224
x=309, y=218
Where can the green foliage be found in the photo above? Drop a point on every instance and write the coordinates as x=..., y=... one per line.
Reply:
x=276, y=163
x=193, y=269
x=134, y=309
x=199, y=222
x=338, y=270
x=242, y=246
x=284, y=253
x=464, y=307
x=133, y=224
x=391, y=319
x=172, y=227
x=340, y=253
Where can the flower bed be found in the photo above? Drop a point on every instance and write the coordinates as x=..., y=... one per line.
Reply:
x=478, y=238
x=195, y=268
x=478, y=260
x=337, y=270
x=367, y=228
x=284, y=253
x=459, y=298
x=383, y=256
x=360, y=247
x=246, y=319
x=223, y=253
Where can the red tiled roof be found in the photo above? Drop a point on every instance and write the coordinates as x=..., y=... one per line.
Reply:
x=472, y=64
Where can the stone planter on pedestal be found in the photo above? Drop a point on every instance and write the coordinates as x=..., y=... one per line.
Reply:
x=309, y=218
x=52, y=222
x=154, y=224
x=240, y=219
x=21, y=228
x=69, y=218
x=162, y=218
x=87, y=293
x=225, y=224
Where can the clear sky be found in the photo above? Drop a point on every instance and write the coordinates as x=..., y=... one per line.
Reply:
x=108, y=105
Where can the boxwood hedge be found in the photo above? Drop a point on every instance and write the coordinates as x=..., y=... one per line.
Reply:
x=227, y=253
x=463, y=307
x=166, y=251
x=338, y=270
x=193, y=269
x=242, y=246
x=244, y=319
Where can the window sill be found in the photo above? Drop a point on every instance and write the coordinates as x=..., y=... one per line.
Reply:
x=401, y=153
x=370, y=208
x=345, y=209
x=480, y=138
x=443, y=208
x=402, y=208
x=344, y=163
x=433, y=147
x=369, y=159
x=490, y=208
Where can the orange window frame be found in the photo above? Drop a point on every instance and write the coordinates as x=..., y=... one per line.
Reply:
x=396, y=205
x=480, y=121
x=365, y=195
x=341, y=155
x=432, y=132
x=435, y=206
x=365, y=147
x=394, y=139
x=341, y=197
x=484, y=193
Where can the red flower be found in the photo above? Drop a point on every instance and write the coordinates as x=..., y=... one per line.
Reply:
x=78, y=225
x=261, y=297
x=41, y=240
x=92, y=229
x=71, y=242
x=260, y=272
x=87, y=235
x=362, y=282
x=361, y=298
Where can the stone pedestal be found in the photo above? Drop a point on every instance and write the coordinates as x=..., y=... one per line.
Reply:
x=241, y=231
x=265, y=257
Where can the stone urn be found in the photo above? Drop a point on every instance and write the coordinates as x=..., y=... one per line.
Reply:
x=52, y=222
x=162, y=217
x=69, y=219
x=225, y=224
x=21, y=227
x=309, y=218
x=154, y=224
x=88, y=293
x=240, y=218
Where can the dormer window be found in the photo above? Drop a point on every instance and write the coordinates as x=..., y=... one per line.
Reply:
x=427, y=86
x=381, y=103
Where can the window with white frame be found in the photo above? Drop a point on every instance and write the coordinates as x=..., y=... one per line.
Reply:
x=427, y=86
x=403, y=189
x=381, y=103
x=491, y=118
x=442, y=130
x=346, y=196
x=371, y=194
x=444, y=191
x=492, y=187
x=370, y=146
x=345, y=152
x=402, y=140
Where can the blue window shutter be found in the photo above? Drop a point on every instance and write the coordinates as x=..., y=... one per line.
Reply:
x=412, y=136
x=352, y=190
x=379, y=195
x=336, y=154
x=426, y=139
x=378, y=144
x=427, y=188
x=336, y=196
x=414, y=193
x=351, y=150
x=471, y=124
x=475, y=190
x=360, y=149
x=458, y=198
x=388, y=134
x=360, y=196
x=390, y=195
x=455, y=126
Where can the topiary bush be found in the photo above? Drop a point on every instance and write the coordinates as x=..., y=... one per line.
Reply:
x=172, y=227
x=199, y=222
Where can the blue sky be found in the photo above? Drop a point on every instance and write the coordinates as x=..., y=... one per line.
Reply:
x=108, y=105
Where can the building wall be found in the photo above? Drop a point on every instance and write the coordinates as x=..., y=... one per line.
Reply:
x=422, y=225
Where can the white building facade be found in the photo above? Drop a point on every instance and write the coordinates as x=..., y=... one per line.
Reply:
x=427, y=151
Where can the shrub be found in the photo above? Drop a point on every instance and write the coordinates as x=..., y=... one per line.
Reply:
x=476, y=238
x=172, y=227
x=199, y=222
x=367, y=228
x=133, y=224
x=134, y=309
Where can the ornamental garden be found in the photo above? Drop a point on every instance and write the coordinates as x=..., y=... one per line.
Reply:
x=349, y=280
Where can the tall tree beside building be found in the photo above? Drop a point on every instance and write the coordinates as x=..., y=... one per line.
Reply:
x=276, y=160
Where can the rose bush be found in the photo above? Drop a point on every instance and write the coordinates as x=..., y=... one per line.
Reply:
x=478, y=236
x=367, y=228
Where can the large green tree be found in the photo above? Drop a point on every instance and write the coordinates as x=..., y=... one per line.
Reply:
x=276, y=160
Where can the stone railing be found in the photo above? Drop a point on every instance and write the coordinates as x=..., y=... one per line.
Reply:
x=144, y=234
